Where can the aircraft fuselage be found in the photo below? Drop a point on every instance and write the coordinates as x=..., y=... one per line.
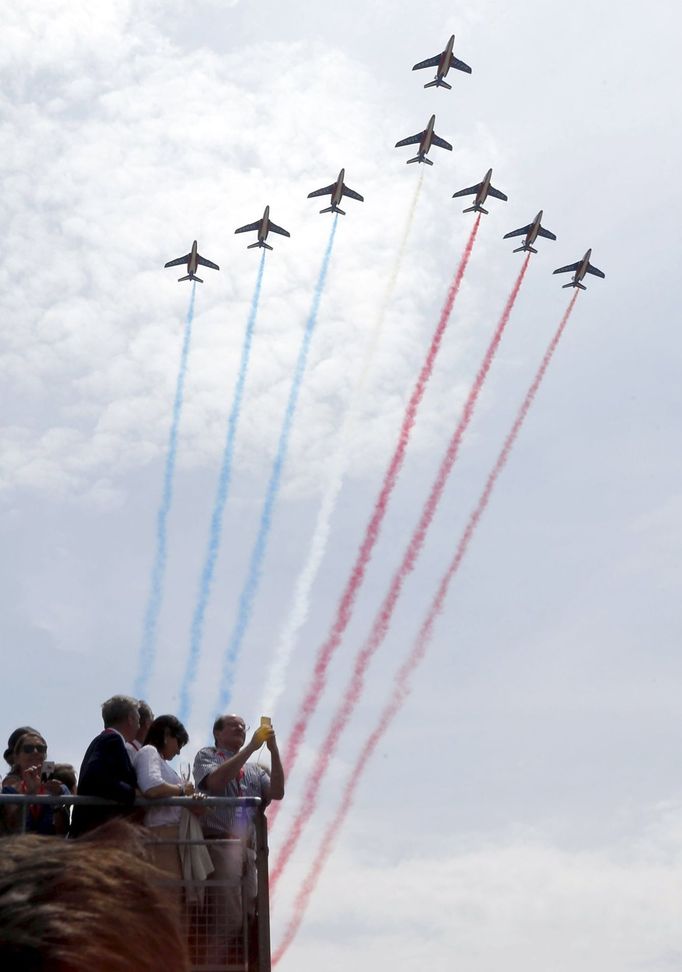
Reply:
x=532, y=234
x=263, y=228
x=337, y=194
x=482, y=193
x=192, y=263
x=584, y=264
x=444, y=63
x=425, y=144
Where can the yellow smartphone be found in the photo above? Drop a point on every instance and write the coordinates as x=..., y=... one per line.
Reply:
x=266, y=721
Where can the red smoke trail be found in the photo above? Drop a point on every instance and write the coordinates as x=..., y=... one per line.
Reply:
x=401, y=687
x=345, y=606
x=383, y=619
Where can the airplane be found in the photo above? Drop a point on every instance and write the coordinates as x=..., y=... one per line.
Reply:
x=482, y=190
x=580, y=269
x=192, y=259
x=426, y=139
x=531, y=232
x=263, y=226
x=443, y=62
x=337, y=190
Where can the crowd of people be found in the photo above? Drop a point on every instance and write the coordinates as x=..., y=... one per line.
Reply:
x=131, y=757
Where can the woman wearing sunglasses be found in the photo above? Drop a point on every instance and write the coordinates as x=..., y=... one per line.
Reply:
x=26, y=777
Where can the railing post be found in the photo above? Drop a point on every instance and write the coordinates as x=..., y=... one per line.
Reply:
x=263, y=900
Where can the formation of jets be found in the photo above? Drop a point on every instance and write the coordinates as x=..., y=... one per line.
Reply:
x=442, y=62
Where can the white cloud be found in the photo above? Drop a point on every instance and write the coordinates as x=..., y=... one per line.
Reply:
x=519, y=902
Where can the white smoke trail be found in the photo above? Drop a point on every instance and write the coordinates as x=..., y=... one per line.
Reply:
x=277, y=673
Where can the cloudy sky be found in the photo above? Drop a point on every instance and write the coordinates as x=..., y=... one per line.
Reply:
x=524, y=808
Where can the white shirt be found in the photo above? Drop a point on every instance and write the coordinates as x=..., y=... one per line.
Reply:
x=152, y=769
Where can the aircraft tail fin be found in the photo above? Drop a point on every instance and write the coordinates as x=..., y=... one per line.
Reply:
x=438, y=83
x=265, y=245
x=475, y=209
x=190, y=277
x=420, y=158
x=525, y=246
x=574, y=284
x=333, y=209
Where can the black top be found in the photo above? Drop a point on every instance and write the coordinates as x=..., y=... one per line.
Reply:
x=106, y=771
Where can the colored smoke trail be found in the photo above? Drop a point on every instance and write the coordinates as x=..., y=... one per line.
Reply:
x=301, y=603
x=401, y=688
x=382, y=622
x=258, y=553
x=151, y=617
x=347, y=601
x=216, y=527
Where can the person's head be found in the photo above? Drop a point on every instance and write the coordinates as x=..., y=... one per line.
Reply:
x=146, y=719
x=29, y=750
x=121, y=712
x=84, y=905
x=229, y=732
x=66, y=774
x=168, y=735
x=8, y=755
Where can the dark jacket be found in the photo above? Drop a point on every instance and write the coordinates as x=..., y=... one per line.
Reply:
x=106, y=771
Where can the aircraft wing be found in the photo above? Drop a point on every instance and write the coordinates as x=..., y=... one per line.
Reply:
x=492, y=191
x=546, y=233
x=467, y=192
x=322, y=192
x=352, y=193
x=595, y=271
x=571, y=268
x=460, y=65
x=518, y=232
x=274, y=228
x=429, y=62
x=178, y=262
x=207, y=263
x=412, y=140
x=437, y=140
x=249, y=228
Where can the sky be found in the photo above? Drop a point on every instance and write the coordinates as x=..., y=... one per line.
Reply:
x=524, y=807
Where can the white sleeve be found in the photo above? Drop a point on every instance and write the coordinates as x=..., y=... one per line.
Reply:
x=148, y=768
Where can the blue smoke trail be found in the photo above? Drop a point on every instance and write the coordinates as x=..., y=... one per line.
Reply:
x=255, y=567
x=151, y=617
x=215, y=532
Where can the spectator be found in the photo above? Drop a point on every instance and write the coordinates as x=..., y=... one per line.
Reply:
x=8, y=755
x=146, y=719
x=26, y=777
x=106, y=770
x=66, y=774
x=89, y=906
x=223, y=770
x=157, y=778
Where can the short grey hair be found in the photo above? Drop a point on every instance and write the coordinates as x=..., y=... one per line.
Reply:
x=145, y=710
x=117, y=709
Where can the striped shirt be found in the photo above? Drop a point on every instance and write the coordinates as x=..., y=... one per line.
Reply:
x=251, y=782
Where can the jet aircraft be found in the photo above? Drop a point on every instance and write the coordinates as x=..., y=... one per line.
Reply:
x=337, y=189
x=192, y=259
x=579, y=270
x=443, y=62
x=263, y=226
x=482, y=190
x=426, y=139
x=531, y=232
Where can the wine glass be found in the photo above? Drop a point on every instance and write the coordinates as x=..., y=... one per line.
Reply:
x=185, y=771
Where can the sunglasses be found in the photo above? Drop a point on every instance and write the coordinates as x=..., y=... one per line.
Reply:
x=34, y=748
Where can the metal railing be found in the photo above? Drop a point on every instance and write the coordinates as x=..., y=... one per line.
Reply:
x=203, y=923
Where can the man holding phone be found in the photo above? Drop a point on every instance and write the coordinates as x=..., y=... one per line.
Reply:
x=224, y=770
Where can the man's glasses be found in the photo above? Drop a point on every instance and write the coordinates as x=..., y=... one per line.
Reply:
x=237, y=725
x=34, y=748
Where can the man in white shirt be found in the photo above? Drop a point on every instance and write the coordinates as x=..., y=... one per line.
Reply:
x=146, y=719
